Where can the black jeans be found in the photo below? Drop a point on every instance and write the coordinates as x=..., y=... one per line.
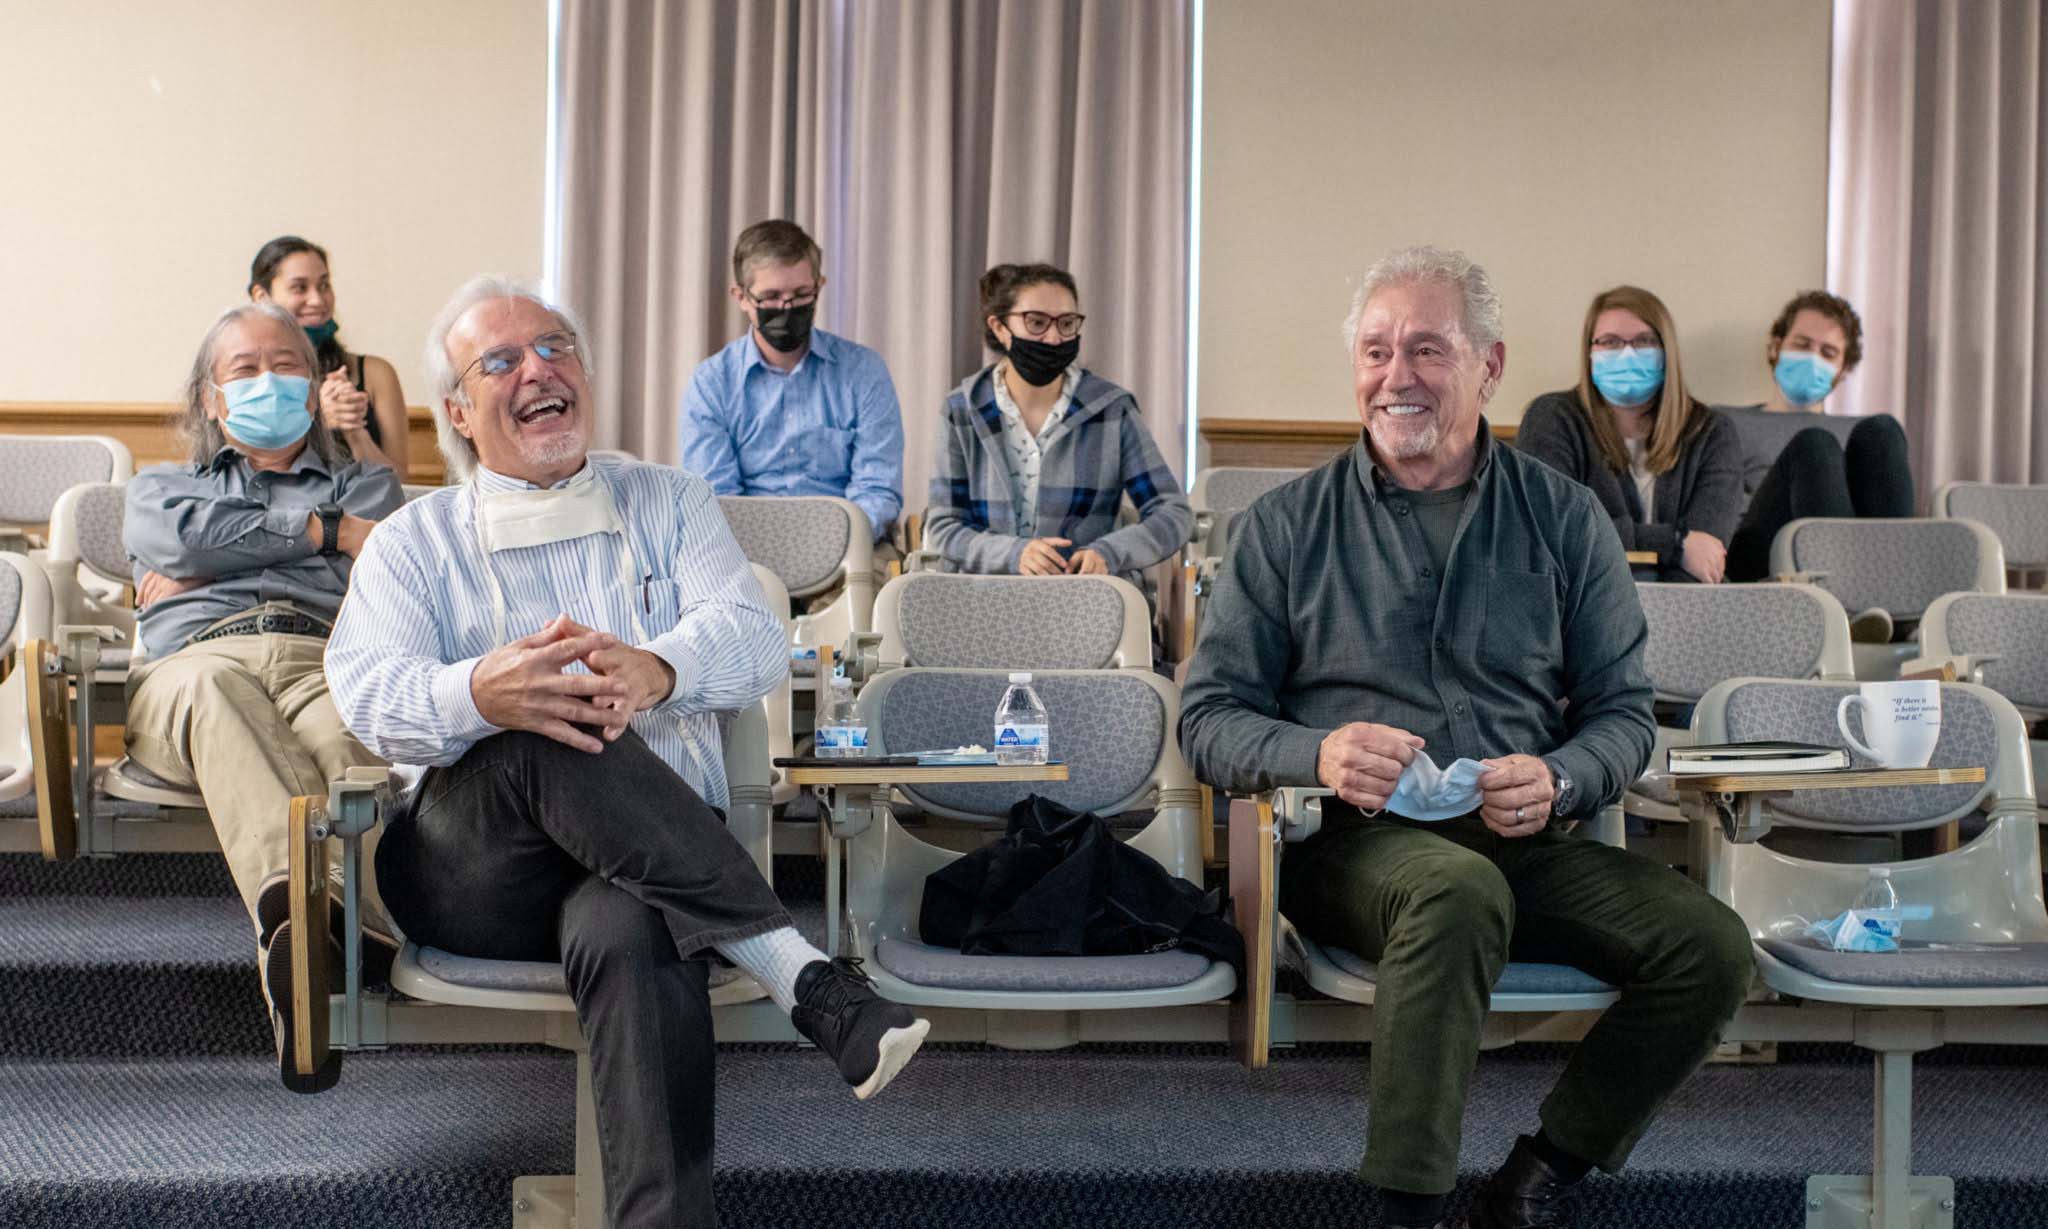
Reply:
x=1815, y=476
x=526, y=849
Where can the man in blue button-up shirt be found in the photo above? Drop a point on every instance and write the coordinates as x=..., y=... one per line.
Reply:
x=787, y=409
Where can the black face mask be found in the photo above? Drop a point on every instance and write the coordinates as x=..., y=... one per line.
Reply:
x=1039, y=364
x=788, y=329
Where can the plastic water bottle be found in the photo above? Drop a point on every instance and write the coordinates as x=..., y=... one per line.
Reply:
x=1022, y=736
x=839, y=734
x=803, y=655
x=1877, y=906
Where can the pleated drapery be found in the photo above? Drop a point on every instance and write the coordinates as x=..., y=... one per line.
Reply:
x=919, y=141
x=1939, y=196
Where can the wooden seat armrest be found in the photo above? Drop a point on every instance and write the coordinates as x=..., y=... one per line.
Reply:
x=47, y=689
x=309, y=935
x=1254, y=904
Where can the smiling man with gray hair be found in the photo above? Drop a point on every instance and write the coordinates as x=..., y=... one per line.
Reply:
x=1430, y=599
x=553, y=643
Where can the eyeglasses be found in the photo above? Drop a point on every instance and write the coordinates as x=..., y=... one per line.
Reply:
x=1036, y=323
x=795, y=298
x=496, y=361
x=1641, y=341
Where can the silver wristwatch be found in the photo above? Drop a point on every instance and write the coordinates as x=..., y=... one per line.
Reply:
x=1566, y=792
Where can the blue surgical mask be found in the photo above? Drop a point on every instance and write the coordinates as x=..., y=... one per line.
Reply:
x=268, y=410
x=1628, y=376
x=1804, y=377
x=319, y=333
x=1429, y=793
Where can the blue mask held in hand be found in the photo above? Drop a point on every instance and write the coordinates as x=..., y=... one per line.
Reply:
x=1628, y=376
x=1803, y=378
x=268, y=410
x=1428, y=793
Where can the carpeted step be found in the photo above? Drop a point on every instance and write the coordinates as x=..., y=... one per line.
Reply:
x=1129, y=1136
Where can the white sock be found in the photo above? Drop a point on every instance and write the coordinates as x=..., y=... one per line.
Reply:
x=774, y=960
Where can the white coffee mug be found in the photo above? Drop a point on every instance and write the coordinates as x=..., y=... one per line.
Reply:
x=1902, y=721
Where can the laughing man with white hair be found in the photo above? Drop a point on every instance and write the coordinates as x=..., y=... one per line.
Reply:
x=554, y=640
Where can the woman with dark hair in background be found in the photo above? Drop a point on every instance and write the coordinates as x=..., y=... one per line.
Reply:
x=360, y=400
x=1665, y=467
x=1036, y=453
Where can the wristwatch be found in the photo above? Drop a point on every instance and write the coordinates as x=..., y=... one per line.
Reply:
x=330, y=527
x=1566, y=792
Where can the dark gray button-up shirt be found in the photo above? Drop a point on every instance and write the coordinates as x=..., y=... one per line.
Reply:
x=243, y=530
x=1330, y=610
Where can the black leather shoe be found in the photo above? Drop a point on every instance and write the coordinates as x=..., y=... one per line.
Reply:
x=1524, y=1193
x=277, y=994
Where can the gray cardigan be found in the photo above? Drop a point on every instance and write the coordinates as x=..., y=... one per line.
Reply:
x=1703, y=491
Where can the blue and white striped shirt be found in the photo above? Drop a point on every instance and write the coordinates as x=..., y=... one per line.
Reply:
x=418, y=616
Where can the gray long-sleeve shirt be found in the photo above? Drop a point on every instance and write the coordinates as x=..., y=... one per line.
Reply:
x=243, y=531
x=1330, y=610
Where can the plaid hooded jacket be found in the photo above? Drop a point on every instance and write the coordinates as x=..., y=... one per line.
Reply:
x=1105, y=454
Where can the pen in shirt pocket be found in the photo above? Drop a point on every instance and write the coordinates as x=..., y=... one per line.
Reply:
x=646, y=599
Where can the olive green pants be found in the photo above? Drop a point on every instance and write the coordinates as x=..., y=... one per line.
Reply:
x=1442, y=908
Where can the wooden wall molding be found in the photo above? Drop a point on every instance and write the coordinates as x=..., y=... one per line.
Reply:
x=1290, y=442
x=146, y=427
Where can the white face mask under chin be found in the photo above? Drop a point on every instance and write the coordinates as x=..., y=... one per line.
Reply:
x=514, y=520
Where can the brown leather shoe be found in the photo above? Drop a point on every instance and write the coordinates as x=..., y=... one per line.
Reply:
x=1524, y=1193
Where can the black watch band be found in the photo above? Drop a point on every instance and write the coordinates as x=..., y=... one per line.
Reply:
x=330, y=528
x=1567, y=789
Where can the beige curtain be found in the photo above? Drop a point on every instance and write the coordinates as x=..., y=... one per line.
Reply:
x=679, y=124
x=920, y=141
x=1938, y=202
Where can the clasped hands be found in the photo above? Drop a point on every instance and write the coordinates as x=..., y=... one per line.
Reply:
x=1363, y=762
x=524, y=685
x=1042, y=557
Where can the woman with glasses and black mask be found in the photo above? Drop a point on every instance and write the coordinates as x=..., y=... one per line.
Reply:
x=1036, y=453
x=1666, y=468
x=360, y=400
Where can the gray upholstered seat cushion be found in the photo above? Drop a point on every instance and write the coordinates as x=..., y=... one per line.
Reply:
x=1010, y=622
x=1107, y=727
x=1518, y=978
x=518, y=976
x=2017, y=514
x=34, y=472
x=1806, y=713
x=1917, y=966
x=10, y=598
x=2015, y=628
x=1701, y=634
x=945, y=969
x=1897, y=566
x=802, y=540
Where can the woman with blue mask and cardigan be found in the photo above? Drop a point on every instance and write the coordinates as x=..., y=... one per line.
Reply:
x=1036, y=453
x=1666, y=469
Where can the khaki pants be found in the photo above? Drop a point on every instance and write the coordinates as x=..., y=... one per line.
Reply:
x=247, y=721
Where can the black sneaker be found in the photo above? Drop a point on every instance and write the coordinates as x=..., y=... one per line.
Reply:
x=867, y=1035
x=277, y=992
x=1524, y=1193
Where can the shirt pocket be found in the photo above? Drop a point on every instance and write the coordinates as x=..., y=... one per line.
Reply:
x=1521, y=630
x=830, y=453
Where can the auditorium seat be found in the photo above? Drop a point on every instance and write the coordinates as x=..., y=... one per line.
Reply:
x=440, y=998
x=24, y=617
x=1981, y=953
x=1702, y=634
x=2001, y=641
x=1895, y=566
x=947, y=619
x=1260, y=830
x=1220, y=493
x=1114, y=729
x=811, y=543
x=35, y=470
x=2016, y=513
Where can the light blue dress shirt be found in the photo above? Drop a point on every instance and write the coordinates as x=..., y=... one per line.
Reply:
x=418, y=616
x=830, y=427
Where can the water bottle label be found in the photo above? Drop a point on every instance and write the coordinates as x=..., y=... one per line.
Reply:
x=1009, y=734
x=848, y=738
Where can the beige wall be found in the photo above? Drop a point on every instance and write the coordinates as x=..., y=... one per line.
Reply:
x=151, y=146
x=1567, y=145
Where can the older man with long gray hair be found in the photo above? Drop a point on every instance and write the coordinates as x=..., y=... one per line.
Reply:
x=241, y=559
x=554, y=641
x=1432, y=600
